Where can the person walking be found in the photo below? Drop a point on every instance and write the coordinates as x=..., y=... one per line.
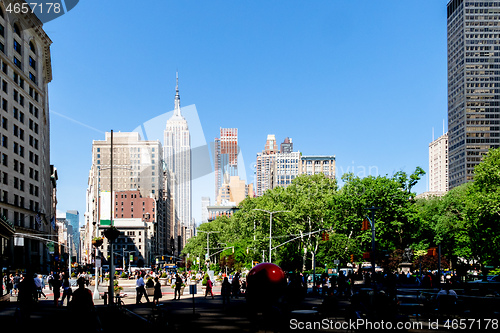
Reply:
x=225, y=291
x=139, y=288
x=8, y=283
x=157, y=293
x=15, y=281
x=67, y=291
x=178, y=285
x=236, y=285
x=56, y=286
x=39, y=287
x=27, y=294
x=209, y=288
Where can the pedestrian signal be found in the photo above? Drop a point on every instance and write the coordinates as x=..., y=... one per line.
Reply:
x=366, y=225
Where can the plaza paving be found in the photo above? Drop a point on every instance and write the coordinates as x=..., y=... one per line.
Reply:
x=209, y=315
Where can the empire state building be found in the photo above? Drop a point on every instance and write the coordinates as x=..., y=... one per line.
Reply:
x=177, y=155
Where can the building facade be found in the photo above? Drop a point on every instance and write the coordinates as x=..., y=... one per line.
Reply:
x=265, y=166
x=438, y=164
x=234, y=190
x=473, y=85
x=315, y=164
x=26, y=191
x=132, y=241
x=177, y=156
x=73, y=218
x=225, y=156
x=138, y=169
x=286, y=168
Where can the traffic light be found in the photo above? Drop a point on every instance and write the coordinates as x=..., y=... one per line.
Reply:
x=352, y=257
x=162, y=257
x=366, y=224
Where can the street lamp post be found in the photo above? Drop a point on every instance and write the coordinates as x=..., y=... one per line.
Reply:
x=271, y=225
x=372, y=221
x=208, y=247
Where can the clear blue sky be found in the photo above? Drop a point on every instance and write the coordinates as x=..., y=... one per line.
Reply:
x=363, y=80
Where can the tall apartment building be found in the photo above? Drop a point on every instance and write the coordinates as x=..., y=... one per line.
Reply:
x=473, y=85
x=438, y=164
x=177, y=156
x=225, y=156
x=26, y=201
x=265, y=165
x=286, y=168
x=137, y=166
x=315, y=164
x=286, y=146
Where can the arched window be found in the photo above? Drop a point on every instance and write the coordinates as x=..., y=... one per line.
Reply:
x=32, y=47
x=17, y=30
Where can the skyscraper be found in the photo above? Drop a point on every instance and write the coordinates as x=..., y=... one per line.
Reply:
x=25, y=172
x=226, y=156
x=177, y=156
x=438, y=164
x=473, y=85
x=265, y=165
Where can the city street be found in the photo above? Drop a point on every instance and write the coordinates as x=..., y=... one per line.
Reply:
x=178, y=315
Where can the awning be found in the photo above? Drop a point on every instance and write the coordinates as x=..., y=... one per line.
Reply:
x=7, y=229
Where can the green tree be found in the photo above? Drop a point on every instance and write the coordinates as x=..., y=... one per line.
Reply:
x=483, y=209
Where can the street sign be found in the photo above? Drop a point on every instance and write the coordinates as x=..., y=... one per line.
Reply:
x=131, y=258
x=192, y=289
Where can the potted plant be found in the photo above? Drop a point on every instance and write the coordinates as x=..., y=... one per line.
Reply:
x=111, y=233
x=97, y=241
x=117, y=288
x=163, y=279
x=150, y=290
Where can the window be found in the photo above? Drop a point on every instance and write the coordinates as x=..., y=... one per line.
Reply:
x=32, y=47
x=5, y=104
x=5, y=161
x=32, y=63
x=17, y=46
x=5, y=143
x=16, y=113
x=33, y=78
x=5, y=123
x=4, y=86
x=18, y=63
x=2, y=30
x=17, y=30
x=21, y=117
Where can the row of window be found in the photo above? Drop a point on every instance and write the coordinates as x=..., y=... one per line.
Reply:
x=19, y=201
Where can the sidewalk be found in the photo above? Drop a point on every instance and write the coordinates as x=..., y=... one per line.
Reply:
x=177, y=315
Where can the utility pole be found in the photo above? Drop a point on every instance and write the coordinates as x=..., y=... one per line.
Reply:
x=271, y=226
x=372, y=222
x=208, y=243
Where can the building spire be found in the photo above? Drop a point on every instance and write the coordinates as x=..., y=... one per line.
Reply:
x=177, y=110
